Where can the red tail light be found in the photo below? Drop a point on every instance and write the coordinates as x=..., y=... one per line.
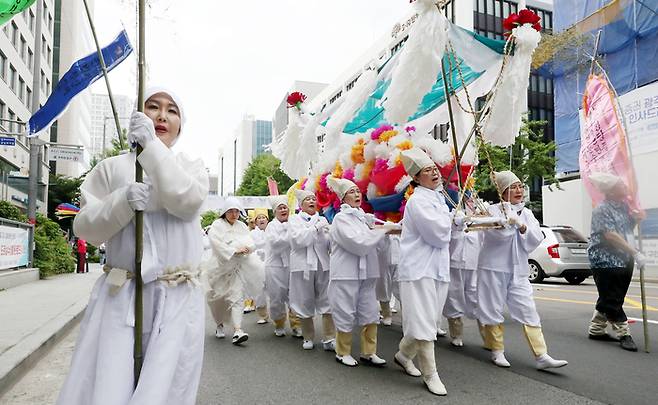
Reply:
x=553, y=251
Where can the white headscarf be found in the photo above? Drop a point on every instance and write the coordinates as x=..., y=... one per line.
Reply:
x=231, y=203
x=505, y=179
x=152, y=90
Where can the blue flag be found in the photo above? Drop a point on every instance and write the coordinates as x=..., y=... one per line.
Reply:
x=81, y=75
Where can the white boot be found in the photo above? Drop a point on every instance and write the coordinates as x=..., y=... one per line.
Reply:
x=308, y=345
x=407, y=365
x=434, y=385
x=498, y=358
x=329, y=345
x=545, y=361
x=373, y=360
x=239, y=337
x=387, y=321
x=280, y=332
x=457, y=342
x=219, y=332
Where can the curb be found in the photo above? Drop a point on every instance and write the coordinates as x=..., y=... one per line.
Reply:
x=19, y=359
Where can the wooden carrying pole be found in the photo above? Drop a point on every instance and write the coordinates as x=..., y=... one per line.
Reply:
x=453, y=130
x=107, y=80
x=139, y=215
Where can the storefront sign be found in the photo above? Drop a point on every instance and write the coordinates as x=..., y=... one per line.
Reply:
x=14, y=245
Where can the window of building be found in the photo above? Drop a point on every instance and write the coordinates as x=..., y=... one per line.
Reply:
x=30, y=21
x=12, y=78
x=50, y=23
x=14, y=35
x=43, y=81
x=30, y=60
x=47, y=86
x=49, y=55
x=43, y=46
x=29, y=97
x=3, y=66
x=23, y=48
x=12, y=117
x=21, y=89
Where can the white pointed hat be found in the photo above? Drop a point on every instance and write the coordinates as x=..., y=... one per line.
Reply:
x=414, y=160
x=340, y=186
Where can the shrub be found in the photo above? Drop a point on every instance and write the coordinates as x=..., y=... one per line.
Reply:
x=52, y=254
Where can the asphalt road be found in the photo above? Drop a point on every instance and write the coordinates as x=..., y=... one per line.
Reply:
x=272, y=370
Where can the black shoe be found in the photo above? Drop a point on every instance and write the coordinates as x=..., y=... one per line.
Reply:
x=627, y=343
x=603, y=337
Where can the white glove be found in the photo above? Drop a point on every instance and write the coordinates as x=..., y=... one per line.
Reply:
x=370, y=220
x=514, y=220
x=138, y=196
x=141, y=131
x=460, y=219
x=640, y=259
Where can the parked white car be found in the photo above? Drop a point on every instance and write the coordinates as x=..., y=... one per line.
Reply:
x=562, y=253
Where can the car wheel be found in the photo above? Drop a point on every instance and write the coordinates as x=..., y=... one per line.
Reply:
x=536, y=273
x=574, y=279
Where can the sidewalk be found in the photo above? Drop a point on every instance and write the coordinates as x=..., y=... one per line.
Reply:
x=35, y=315
x=650, y=274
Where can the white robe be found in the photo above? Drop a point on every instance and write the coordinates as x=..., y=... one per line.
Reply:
x=277, y=267
x=354, y=268
x=309, y=265
x=424, y=269
x=389, y=258
x=503, y=270
x=233, y=277
x=462, y=294
x=258, y=236
x=102, y=366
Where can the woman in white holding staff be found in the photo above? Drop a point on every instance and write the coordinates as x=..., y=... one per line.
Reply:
x=424, y=269
x=173, y=191
x=354, y=271
x=503, y=274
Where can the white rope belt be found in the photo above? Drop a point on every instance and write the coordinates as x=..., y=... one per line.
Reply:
x=172, y=277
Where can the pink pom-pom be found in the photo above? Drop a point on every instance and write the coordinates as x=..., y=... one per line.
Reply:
x=349, y=174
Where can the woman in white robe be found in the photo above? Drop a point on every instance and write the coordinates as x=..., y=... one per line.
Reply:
x=261, y=218
x=354, y=269
x=234, y=272
x=309, y=271
x=424, y=269
x=277, y=269
x=387, y=285
x=462, y=293
x=173, y=318
x=503, y=274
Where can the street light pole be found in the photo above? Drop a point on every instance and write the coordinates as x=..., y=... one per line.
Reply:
x=35, y=142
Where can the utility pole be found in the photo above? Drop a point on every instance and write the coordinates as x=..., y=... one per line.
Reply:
x=35, y=142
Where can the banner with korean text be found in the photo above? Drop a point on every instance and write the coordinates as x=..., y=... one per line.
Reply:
x=14, y=247
x=603, y=145
x=640, y=108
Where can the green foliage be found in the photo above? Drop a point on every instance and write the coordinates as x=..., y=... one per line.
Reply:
x=10, y=211
x=254, y=181
x=116, y=149
x=62, y=189
x=532, y=157
x=52, y=254
x=208, y=217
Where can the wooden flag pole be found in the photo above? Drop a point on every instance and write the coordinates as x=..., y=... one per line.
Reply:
x=139, y=215
x=107, y=80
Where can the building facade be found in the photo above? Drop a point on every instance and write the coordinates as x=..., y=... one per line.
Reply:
x=251, y=138
x=103, y=127
x=17, y=81
x=73, y=40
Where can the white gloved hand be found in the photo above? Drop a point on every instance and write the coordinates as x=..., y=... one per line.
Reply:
x=370, y=220
x=141, y=130
x=640, y=259
x=138, y=196
x=514, y=220
x=460, y=219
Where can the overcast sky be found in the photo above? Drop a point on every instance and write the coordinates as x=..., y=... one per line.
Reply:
x=227, y=58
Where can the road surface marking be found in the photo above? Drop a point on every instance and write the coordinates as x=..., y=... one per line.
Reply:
x=638, y=304
x=593, y=292
x=640, y=320
x=587, y=302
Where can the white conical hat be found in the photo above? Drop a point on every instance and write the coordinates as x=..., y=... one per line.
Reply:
x=301, y=195
x=278, y=200
x=340, y=186
x=414, y=160
x=505, y=179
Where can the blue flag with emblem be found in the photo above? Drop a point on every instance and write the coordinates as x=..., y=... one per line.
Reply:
x=81, y=75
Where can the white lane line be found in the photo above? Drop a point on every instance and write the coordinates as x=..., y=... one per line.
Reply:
x=640, y=320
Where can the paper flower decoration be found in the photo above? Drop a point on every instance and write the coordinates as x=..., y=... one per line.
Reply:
x=524, y=16
x=296, y=99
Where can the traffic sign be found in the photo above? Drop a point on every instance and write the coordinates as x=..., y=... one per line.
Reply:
x=7, y=141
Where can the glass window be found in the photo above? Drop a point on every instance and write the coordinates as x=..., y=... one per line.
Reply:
x=29, y=97
x=12, y=78
x=480, y=7
x=21, y=89
x=549, y=86
x=490, y=7
x=497, y=8
x=14, y=34
x=3, y=66
x=30, y=60
x=542, y=84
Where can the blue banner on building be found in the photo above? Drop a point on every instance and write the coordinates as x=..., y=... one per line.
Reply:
x=81, y=75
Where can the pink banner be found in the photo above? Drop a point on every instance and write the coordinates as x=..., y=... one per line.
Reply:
x=603, y=146
x=272, y=187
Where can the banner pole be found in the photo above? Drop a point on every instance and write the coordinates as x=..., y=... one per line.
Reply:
x=107, y=80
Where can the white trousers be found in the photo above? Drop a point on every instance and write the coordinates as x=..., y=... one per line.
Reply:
x=277, y=280
x=387, y=287
x=497, y=289
x=309, y=297
x=462, y=295
x=224, y=310
x=422, y=305
x=353, y=303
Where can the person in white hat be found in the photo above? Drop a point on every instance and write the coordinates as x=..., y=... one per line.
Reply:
x=174, y=189
x=354, y=270
x=277, y=268
x=612, y=254
x=309, y=271
x=424, y=269
x=462, y=293
x=387, y=285
x=261, y=219
x=234, y=272
x=503, y=274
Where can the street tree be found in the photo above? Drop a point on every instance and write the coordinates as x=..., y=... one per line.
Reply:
x=254, y=182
